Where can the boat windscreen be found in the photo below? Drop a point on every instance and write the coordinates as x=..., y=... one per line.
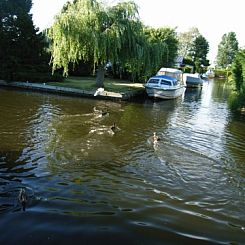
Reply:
x=164, y=82
x=153, y=81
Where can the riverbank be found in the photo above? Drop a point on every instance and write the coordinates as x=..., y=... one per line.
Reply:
x=92, y=93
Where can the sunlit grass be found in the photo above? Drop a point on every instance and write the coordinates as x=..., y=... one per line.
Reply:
x=89, y=84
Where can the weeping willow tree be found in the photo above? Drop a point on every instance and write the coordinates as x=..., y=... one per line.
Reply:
x=162, y=47
x=87, y=30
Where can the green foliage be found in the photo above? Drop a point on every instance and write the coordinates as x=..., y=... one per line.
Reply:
x=199, y=51
x=186, y=40
x=187, y=69
x=237, y=101
x=194, y=47
x=220, y=72
x=38, y=77
x=88, y=31
x=238, y=69
x=20, y=44
x=237, y=74
x=188, y=61
x=226, y=50
x=162, y=48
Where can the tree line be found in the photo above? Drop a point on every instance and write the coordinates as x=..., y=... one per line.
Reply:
x=231, y=58
x=87, y=36
x=88, y=31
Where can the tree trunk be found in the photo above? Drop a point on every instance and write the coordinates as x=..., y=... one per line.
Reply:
x=100, y=76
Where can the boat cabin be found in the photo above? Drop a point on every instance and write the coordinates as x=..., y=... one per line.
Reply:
x=164, y=87
x=162, y=81
x=172, y=72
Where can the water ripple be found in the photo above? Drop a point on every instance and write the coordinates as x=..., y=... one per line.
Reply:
x=190, y=186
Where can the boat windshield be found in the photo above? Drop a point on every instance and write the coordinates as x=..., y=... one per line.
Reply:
x=175, y=83
x=153, y=81
x=164, y=82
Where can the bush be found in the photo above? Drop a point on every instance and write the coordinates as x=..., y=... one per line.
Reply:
x=237, y=101
x=38, y=77
x=32, y=73
x=220, y=72
x=187, y=69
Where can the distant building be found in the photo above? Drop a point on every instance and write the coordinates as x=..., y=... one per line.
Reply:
x=179, y=61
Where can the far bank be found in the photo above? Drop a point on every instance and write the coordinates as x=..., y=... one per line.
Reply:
x=84, y=87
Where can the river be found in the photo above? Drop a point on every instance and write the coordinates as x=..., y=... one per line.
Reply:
x=87, y=184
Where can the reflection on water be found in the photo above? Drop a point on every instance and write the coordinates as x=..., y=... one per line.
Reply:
x=86, y=181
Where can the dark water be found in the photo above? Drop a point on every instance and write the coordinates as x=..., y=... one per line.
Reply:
x=88, y=185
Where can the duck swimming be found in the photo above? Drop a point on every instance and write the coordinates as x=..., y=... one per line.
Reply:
x=114, y=128
x=23, y=198
x=101, y=112
x=155, y=138
x=104, y=113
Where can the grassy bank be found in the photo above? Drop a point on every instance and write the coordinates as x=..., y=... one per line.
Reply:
x=89, y=84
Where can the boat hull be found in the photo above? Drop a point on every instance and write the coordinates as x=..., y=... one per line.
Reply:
x=164, y=93
x=194, y=85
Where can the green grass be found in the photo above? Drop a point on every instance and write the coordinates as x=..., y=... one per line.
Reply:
x=89, y=84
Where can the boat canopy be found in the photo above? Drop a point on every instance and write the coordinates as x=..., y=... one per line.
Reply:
x=165, y=77
x=172, y=72
x=169, y=70
x=162, y=80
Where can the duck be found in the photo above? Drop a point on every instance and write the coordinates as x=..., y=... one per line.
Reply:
x=155, y=138
x=114, y=128
x=104, y=113
x=96, y=110
x=23, y=198
x=100, y=112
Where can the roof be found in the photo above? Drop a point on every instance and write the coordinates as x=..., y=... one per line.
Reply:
x=179, y=59
x=172, y=70
x=165, y=77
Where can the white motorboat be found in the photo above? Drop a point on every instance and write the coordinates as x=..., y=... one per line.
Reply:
x=164, y=87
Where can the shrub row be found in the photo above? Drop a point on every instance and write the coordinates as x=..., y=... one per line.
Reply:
x=220, y=72
x=32, y=76
x=38, y=77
